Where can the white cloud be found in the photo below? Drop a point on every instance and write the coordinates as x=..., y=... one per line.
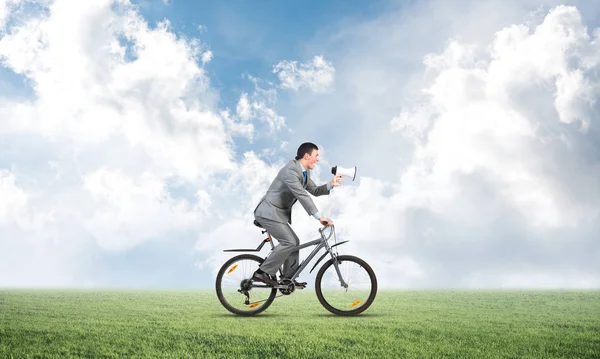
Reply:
x=255, y=109
x=206, y=57
x=317, y=75
x=91, y=95
x=243, y=108
x=94, y=93
x=263, y=113
x=488, y=178
x=119, y=112
x=483, y=156
x=480, y=128
x=14, y=199
x=260, y=104
x=125, y=206
x=6, y=7
x=497, y=186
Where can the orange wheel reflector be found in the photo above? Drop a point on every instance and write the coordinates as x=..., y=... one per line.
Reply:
x=253, y=305
x=232, y=269
x=356, y=303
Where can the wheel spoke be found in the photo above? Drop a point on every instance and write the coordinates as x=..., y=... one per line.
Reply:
x=235, y=290
x=361, y=286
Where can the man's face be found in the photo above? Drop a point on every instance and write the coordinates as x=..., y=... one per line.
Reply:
x=312, y=159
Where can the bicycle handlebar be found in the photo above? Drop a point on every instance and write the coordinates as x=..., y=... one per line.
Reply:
x=321, y=230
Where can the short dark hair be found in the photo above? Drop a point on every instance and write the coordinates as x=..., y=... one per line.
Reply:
x=306, y=147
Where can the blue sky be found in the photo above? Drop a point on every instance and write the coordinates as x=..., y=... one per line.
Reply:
x=469, y=122
x=249, y=37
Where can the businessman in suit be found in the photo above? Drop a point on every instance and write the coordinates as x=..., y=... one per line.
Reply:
x=274, y=212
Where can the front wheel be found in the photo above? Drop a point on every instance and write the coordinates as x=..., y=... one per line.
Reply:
x=236, y=291
x=359, y=292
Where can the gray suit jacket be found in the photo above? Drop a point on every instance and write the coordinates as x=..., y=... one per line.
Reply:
x=285, y=190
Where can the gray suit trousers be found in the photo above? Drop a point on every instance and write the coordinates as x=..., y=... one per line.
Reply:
x=283, y=252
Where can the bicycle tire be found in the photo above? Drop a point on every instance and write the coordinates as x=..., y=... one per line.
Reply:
x=224, y=302
x=372, y=293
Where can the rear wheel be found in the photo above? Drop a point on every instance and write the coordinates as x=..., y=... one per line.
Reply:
x=359, y=293
x=235, y=289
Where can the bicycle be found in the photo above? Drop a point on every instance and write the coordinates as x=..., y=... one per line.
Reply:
x=353, y=297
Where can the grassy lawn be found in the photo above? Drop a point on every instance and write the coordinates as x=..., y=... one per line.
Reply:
x=400, y=324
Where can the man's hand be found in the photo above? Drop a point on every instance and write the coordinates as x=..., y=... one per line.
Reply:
x=326, y=221
x=336, y=181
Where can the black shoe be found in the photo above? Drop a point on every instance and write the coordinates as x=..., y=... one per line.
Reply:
x=264, y=278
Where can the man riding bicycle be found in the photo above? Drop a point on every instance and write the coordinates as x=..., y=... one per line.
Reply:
x=274, y=212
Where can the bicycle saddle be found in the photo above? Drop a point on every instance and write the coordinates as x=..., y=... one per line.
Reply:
x=258, y=224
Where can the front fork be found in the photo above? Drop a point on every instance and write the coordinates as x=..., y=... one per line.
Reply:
x=337, y=269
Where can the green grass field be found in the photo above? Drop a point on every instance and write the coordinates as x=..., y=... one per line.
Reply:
x=400, y=324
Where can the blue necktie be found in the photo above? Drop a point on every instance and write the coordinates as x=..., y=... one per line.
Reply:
x=304, y=173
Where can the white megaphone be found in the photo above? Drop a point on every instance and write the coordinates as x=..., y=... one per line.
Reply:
x=349, y=172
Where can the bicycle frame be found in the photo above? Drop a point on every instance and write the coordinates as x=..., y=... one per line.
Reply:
x=319, y=243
